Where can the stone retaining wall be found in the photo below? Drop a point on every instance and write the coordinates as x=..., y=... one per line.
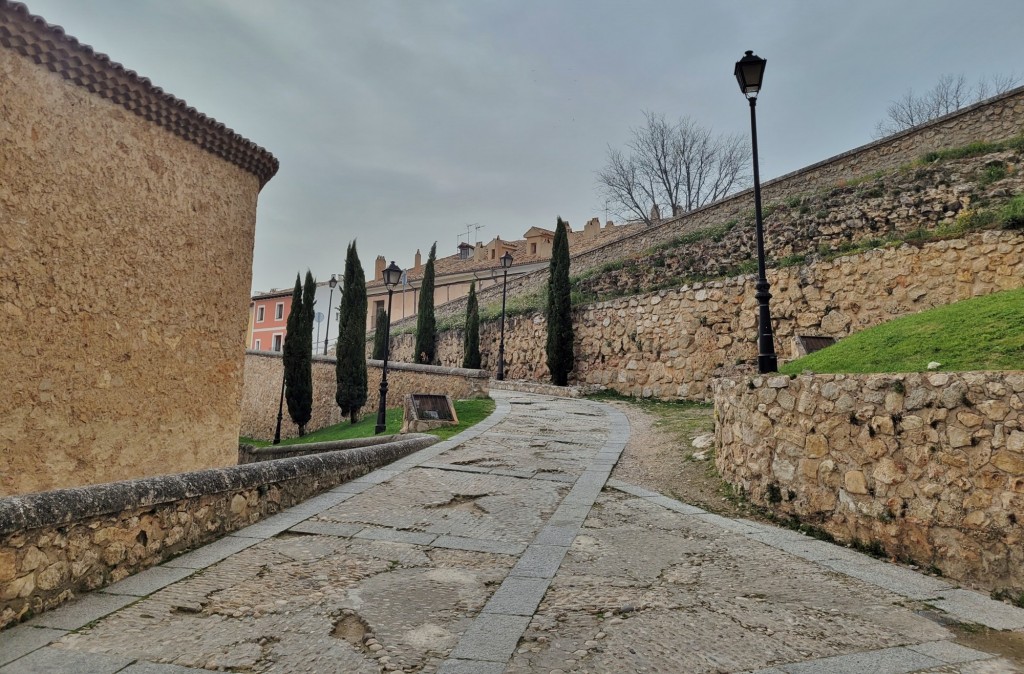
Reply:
x=56, y=544
x=671, y=343
x=262, y=390
x=929, y=466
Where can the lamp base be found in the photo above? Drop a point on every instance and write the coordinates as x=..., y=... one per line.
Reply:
x=767, y=363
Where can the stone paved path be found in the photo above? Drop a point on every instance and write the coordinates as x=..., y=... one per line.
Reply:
x=507, y=549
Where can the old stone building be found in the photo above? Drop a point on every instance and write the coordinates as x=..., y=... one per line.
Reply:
x=118, y=205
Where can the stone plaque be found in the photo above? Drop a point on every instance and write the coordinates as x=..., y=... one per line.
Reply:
x=806, y=344
x=424, y=411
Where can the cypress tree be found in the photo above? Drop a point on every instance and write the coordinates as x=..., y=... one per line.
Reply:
x=298, y=380
x=378, y=335
x=471, y=340
x=559, y=311
x=426, y=325
x=351, y=350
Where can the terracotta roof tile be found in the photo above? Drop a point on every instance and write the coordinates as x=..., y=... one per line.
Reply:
x=49, y=46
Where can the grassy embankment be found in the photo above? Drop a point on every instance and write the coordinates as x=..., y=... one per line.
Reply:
x=983, y=333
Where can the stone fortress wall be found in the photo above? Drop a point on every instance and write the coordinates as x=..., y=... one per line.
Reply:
x=262, y=390
x=672, y=343
x=997, y=118
x=118, y=206
x=928, y=465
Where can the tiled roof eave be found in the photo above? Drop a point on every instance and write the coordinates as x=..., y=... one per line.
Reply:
x=50, y=47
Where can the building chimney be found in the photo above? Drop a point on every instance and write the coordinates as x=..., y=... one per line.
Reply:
x=378, y=268
x=418, y=259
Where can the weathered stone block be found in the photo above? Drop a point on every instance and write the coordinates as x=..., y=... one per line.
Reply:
x=855, y=482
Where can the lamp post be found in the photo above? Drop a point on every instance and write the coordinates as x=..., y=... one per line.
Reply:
x=506, y=262
x=327, y=331
x=749, y=72
x=392, y=277
x=280, y=412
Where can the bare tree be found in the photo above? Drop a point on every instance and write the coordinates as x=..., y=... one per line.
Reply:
x=674, y=167
x=624, y=188
x=948, y=95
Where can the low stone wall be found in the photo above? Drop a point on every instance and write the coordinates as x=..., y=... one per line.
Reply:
x=56, y=544
x=538, y=388
x=409, y=442
x=929, y=466
x=264, y=373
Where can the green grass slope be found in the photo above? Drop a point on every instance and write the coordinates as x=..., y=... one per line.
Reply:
x=983, y=333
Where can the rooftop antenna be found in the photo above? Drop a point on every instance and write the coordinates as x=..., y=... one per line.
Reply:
x=469, y=228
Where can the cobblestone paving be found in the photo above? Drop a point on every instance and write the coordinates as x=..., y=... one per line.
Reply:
x=507, y=550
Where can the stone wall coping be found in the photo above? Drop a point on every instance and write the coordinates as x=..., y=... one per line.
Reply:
x=863, y=376
x=64, y=506
x=394, y=365
x=50, y=47
x=414, y=441
x=432, y=369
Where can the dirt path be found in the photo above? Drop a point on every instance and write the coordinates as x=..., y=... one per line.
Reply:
x=660, y=455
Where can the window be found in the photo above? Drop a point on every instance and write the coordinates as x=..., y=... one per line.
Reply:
x=277, y=341
x=279, y=311
x=533, y=249
x=260, y=311
x=378, y=306
x=258, y=347
x=493, y=253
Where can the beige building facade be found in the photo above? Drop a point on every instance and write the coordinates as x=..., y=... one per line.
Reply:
x=118, y=206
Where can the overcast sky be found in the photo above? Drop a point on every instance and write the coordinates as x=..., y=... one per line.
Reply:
x=397, y=123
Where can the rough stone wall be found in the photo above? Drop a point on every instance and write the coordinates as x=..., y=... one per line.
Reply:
x=893, y=206
x=931, y=466
x=671, y=343
x=264, y=373
x=59, y=543
x=998, y=118
x=127, y=254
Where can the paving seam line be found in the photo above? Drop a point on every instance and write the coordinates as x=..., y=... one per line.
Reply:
x=947, y=597
x=490, y=641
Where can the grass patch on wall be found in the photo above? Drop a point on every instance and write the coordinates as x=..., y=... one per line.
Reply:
x=974, y=150
x=983, y=333
x=470, y=413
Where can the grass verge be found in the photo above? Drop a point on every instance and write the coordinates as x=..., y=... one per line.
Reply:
x=470, y=412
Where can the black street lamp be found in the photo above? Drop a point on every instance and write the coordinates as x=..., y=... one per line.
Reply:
x=280, y=409
x=392, y=277
x=749, y=72
x=506, y=262
x=334, y=284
